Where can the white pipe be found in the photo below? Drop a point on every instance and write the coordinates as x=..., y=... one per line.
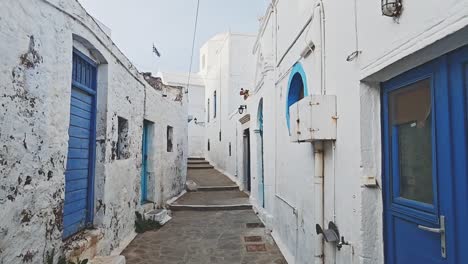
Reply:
x=319, y=199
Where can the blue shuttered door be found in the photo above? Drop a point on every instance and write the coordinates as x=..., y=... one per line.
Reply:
x=79, y=175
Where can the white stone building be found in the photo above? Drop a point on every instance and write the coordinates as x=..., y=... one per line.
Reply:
x=196, y=108
x=74, y=169
x=227, y=66
x=400, y=88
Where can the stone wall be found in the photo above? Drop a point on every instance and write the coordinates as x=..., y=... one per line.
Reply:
x=37, y=41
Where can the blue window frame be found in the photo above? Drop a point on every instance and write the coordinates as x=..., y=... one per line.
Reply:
x=297, y=88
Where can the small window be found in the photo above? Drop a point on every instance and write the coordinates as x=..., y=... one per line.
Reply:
x=122, y=139
x=208, y=111
x=208, y=145
x=214, y=104
x=170, y=134
x=230, y=149
x=220, y=136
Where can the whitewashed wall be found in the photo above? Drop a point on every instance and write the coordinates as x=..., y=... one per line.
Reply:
x=196, y=109
x=229, y=67
x=37, y=38
x=389, y=47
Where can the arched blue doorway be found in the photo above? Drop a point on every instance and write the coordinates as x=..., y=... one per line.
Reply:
x=297, y=88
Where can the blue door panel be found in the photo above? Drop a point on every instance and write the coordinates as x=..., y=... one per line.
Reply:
x=79, y=176
x=82, y=96
x=80, y=112
x=74, y=207
x=81, y=105
x=73, y=196
x=407, y=237
x=81, y=143
x=76, y=164
x=78, y=153
x=78, y=216
x=76, y=174
x=79, y=121
x=79, y=132
x=81, y=184
x=71, y=229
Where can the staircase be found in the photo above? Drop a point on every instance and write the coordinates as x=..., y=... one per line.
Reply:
x=213, y=191
x=199, y=164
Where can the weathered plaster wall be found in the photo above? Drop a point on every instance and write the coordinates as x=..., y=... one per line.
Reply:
x=35, y=81
x=196, y=109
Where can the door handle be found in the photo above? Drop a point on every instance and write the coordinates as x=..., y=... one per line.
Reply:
x=440, y=231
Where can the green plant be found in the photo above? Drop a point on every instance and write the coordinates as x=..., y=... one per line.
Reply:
x=142, y=225
x=78, y=261
x=50, y=257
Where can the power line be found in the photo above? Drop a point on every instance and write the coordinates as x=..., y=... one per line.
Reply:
x=193, y=46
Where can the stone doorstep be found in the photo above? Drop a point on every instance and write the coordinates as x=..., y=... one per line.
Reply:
x=108, y=260
x=83, y=245
x=162, y=216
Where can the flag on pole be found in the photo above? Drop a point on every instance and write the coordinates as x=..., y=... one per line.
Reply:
x=156, y=51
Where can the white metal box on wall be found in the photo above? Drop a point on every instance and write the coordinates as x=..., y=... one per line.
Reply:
x=313, y=119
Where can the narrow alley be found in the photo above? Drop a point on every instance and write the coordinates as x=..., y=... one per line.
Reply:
x=233, y=132
x=214, y=224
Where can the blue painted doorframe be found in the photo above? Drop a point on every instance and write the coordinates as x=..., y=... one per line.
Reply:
x=410, y=224
x=144, y=167
x=261, y=180
x=78, y=210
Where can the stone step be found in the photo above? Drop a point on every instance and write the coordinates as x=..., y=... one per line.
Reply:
x=196, y=159
x=108, y=260
x=197, y=162
x=217, y=188
x=188, y=207
x=199, y=166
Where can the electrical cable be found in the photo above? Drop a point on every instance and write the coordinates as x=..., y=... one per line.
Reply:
x=193, y=45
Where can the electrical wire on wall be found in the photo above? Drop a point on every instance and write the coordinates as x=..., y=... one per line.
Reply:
x=193, y=46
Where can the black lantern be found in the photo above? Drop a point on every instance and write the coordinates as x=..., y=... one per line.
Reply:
x=391, y=8
x=241, y=109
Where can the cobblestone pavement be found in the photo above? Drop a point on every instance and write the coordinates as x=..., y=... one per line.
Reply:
x=193, y=237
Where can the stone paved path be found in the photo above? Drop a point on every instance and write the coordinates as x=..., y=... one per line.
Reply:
x=204, y=237
x=209, y=177
x=193, y=237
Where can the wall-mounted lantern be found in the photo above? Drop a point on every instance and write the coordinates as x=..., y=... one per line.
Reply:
x=391, y=8
x=241, y=109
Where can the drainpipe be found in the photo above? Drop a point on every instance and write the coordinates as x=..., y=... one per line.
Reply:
x=319, y=199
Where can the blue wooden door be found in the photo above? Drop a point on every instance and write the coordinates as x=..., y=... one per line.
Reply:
x=144, y=165
x=79, y=175
x=421, y=178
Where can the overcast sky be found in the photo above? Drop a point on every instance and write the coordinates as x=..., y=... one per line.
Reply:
x=137, y=24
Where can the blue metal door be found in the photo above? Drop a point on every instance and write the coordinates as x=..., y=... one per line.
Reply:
x=144, y=165
x=79, y=175
x=424, y=132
